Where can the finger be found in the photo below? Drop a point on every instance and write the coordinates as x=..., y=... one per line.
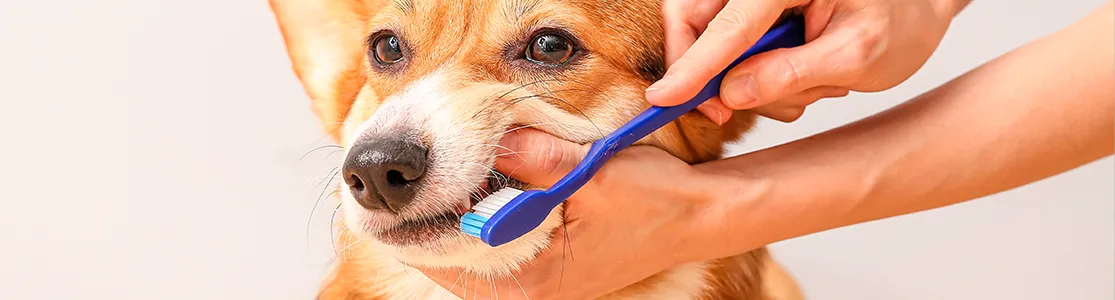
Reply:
x=715, y=111
x=684, y=21
x=678, y=33
x=536, y=157
x=792, y=108
x=729, y=34
x=780, y=73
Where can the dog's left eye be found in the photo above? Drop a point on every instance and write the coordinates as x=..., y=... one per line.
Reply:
x=550, y=49
x=387, y=49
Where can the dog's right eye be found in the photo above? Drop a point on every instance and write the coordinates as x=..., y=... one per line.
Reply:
x=549, y=49
x=387, y=50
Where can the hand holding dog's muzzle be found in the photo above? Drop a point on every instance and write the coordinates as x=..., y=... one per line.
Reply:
x=627, y=224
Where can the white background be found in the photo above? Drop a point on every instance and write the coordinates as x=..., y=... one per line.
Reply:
x=150, y=151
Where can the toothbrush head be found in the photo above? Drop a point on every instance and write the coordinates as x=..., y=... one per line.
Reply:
x=507, y=215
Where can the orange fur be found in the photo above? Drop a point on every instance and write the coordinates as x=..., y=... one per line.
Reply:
x=463, y=44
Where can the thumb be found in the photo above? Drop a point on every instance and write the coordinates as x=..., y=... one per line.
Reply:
x=537, y=157
x=777, y=74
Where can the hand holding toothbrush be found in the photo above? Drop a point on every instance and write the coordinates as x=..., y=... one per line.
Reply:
x=857, y=45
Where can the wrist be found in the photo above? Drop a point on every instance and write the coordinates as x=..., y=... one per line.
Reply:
x=737, y=218
x=695, y=234
x=738, y=207
x=776, y=194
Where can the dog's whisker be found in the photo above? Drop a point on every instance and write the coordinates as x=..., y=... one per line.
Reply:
x=405, y=271
x=516, y=153
x=496, y=100
x=568, y=241
x=568, y=246
x=599, y=131
x=315, y=149
x=532, y=125
x=334, y=130
x=554, y=78
x=475, y=282
x=343, y=255
x=465, y=284
x=313, y=210
x=333, y=224
x=327, y=177
x=509, y=152
x=331, y=153
x=375, y=282
x=477, y=187
x=320, y=178
x=496, y=146
x=492, y=286
x=459, y=274
x=516, y=279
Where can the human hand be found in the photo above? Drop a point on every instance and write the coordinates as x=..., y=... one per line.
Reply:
x=858, y=45
x=625, y=225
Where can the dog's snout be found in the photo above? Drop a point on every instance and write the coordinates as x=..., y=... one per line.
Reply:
x=382, y=172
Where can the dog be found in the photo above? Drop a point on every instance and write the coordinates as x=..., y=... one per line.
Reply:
x=419, y=92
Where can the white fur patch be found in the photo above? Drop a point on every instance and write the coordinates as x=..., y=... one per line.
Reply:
x=418, y=102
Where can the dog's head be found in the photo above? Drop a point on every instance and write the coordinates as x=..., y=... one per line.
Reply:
x=420, y=92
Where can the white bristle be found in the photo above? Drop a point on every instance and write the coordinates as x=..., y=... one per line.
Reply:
x=491, y=204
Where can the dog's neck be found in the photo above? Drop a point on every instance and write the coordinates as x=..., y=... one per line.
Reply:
x=362, y=271
x=394, y=280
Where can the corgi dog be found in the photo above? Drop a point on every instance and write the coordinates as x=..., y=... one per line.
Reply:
x=419, y=92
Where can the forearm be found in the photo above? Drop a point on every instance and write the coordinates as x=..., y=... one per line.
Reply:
x=1038, y=111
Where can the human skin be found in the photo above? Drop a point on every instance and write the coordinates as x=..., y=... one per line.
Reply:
x=1040, y=110
x=851, y=45
x=1035, y=112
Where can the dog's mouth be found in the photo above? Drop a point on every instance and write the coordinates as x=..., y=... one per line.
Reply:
x=494, y=182
x=423, y=229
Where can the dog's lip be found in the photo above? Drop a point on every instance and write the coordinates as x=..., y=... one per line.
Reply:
x=413, y=231
x=479, y=194
x=418, y=230
x=462, y=208
x=491, y=184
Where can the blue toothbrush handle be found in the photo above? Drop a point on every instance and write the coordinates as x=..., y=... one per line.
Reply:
x=527, y=210
x=787, y=34
x=790, y=33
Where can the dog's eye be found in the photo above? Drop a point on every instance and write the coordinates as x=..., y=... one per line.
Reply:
x=549, y=49
x=387, y=49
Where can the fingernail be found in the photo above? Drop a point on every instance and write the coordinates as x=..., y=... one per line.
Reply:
x=658, y=85
x=714, y=111
x=741, y=93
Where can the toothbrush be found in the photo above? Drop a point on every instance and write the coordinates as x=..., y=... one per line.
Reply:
x=509, y=213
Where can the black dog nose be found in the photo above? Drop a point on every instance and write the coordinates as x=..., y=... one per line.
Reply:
x=382, y=172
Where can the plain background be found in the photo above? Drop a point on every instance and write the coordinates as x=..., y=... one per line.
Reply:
x=150, y=151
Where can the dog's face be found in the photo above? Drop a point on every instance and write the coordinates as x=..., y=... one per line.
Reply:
x=438, y=83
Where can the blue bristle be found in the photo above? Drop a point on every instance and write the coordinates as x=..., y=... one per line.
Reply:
x=472, y=223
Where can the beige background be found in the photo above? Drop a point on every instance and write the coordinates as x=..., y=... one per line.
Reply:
x=150, y=151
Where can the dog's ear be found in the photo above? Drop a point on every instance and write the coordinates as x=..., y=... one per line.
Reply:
x=325, y=41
